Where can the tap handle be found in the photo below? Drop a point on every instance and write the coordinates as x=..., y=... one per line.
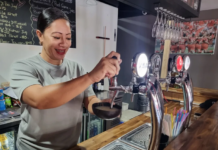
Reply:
x=166, y=81
x=167, y=87
x=162, y=80
x=115, y=94
x=113, y=80
x=132, y=97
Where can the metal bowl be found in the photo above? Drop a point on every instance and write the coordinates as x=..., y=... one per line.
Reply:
x=103, y=110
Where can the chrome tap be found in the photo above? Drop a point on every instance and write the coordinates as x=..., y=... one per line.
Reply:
x=151, y=88
x=155, y=66
x=183, y=80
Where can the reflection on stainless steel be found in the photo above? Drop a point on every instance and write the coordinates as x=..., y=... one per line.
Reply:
x=116, y=92
x=188, y=91
x=157, y=108
x=118, y=145
x=139, y=137
x=161, y=99
x=184, y=80
x=149, y=86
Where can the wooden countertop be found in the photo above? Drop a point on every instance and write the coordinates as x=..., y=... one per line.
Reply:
x=198, y=91
x=201, y=135
x=112, y=134
x=120, y=130
x=200, y=94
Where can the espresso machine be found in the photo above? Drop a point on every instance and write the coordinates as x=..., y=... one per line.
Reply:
x=145, y=81
x=179, y=67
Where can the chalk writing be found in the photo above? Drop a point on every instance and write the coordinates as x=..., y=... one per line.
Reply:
x=34, y=6
x=43, y=3
x=18, y=25
x=12, y=14
x=2, y=13
x=14, y=6
x=12, y=28
x=2, y=35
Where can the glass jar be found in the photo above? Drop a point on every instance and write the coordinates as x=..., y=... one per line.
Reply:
x=196, y=3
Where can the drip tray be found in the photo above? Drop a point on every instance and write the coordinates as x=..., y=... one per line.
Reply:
x=139, y=137
x=118, y=145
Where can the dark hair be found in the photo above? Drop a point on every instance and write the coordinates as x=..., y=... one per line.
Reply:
x=49, y=15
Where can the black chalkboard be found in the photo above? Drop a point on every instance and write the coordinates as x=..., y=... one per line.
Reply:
x=18, y=19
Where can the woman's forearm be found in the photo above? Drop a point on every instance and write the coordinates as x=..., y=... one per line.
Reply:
x=55, y=95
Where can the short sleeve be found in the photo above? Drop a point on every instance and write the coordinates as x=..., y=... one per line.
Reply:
x=22, y=76
x=89, y=91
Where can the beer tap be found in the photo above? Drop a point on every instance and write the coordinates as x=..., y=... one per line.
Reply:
x=155, y=66
x=181, y=65
x=188, y=88
x=146, y=83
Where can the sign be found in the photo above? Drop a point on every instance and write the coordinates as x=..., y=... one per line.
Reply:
x=198, y=37
x=179, y=63
x=187, y=62
x=141, y=65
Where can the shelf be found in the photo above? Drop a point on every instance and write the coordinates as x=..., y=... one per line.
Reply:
x=131, y=8
x=110, y=2
x=126, y=11
x=179, y=7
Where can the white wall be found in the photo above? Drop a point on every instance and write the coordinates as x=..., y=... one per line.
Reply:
x=90, y=22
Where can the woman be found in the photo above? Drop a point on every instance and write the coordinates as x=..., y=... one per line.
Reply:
x=52, y=89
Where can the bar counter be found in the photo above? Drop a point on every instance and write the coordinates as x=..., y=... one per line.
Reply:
x=120, y=130
x=200, y=94
x=201, y=135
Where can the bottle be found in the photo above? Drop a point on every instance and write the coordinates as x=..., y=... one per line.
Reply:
x=99, y=126
x=2, y=105
x=4, y=142
x=196, y=4
x=8, y=102
x=91, y=131
x=95, y=130
x=1, y=94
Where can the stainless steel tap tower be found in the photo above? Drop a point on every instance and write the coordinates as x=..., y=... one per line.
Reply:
x=181, y=65
x=145, y=81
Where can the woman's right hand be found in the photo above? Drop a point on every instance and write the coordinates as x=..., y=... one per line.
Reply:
x=107, y=67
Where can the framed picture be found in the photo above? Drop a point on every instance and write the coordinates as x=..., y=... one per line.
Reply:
x=198, y=37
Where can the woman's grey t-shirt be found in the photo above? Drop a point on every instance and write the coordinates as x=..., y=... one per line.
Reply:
x=55, y=128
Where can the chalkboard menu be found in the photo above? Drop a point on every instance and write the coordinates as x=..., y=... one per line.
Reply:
x=18, y=19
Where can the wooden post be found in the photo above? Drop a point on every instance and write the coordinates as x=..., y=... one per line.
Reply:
x=166, y=53
x=104, y=38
